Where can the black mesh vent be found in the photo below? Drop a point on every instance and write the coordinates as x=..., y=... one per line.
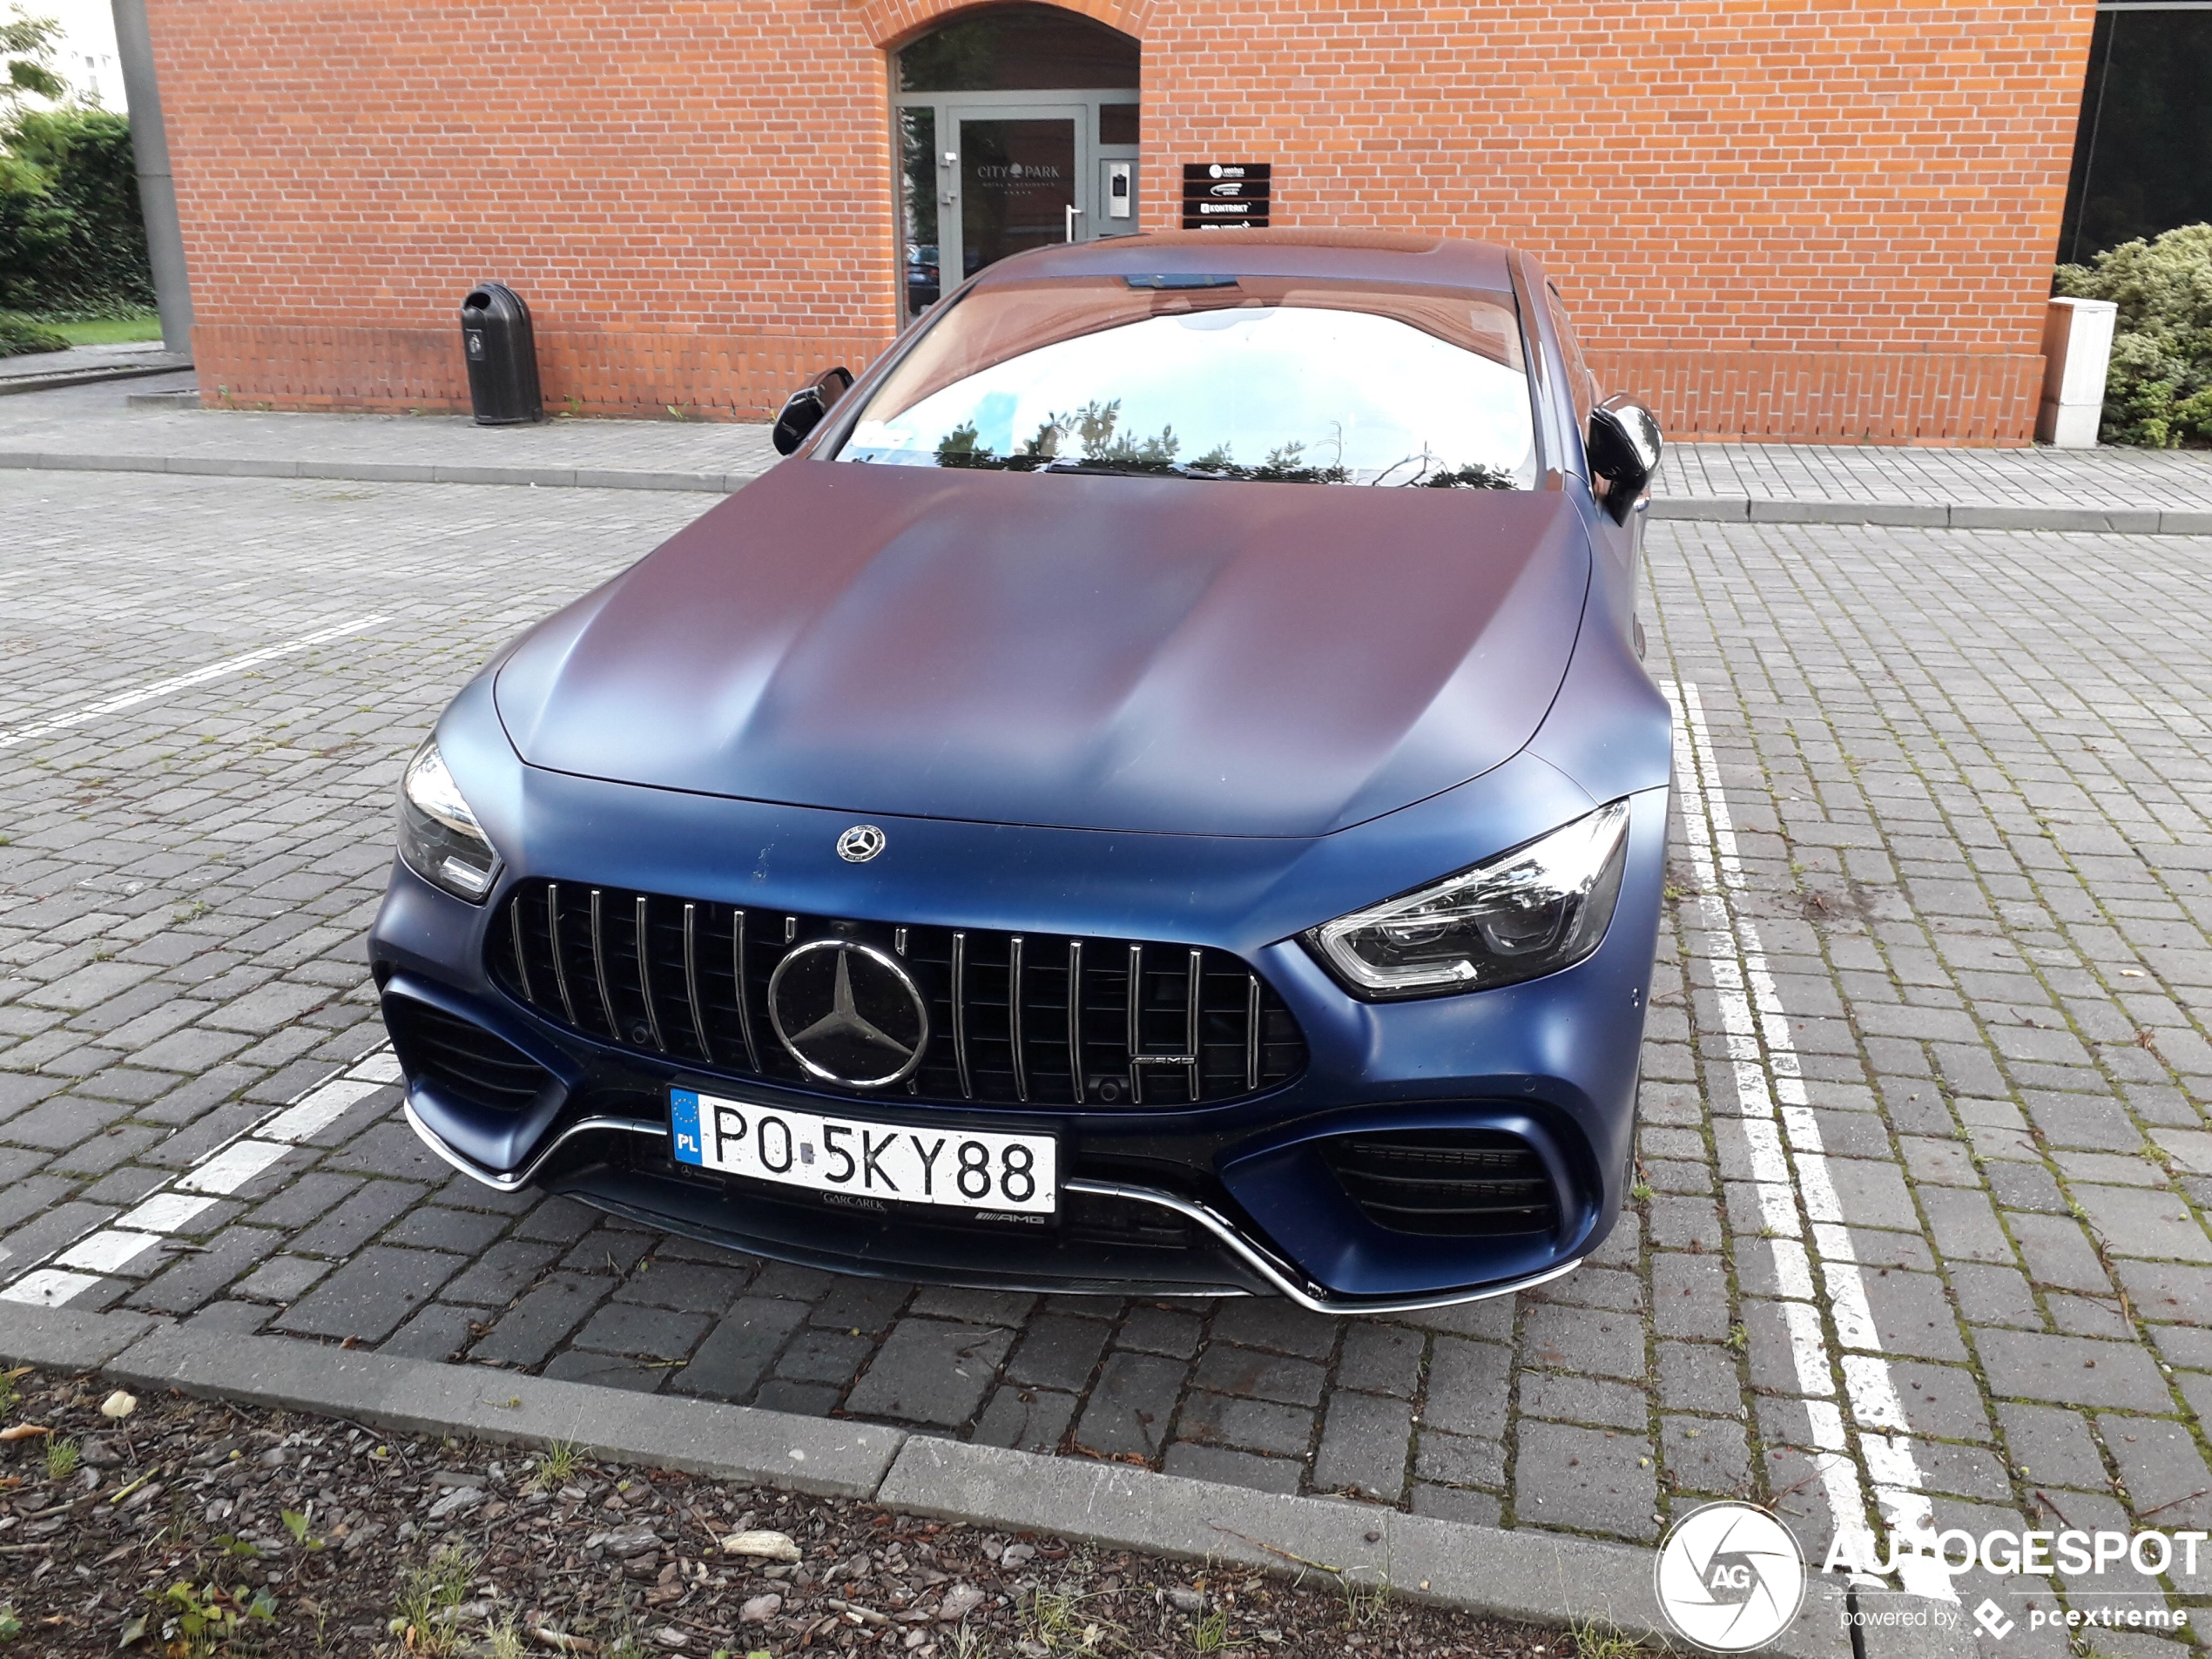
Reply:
x=1096, y=1219
x=1457, y=1183
x=460, y=1057
x=1041, y=1018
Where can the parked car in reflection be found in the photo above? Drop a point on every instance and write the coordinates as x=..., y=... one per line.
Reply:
x=1159, y=794
x=921, y=278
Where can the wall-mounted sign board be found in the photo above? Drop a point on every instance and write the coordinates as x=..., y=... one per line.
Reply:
x=1225, y=195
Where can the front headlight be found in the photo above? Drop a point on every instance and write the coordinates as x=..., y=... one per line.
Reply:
x=439, y=836
x=1534, y=910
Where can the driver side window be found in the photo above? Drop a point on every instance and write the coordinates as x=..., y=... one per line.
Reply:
x=1581, y=385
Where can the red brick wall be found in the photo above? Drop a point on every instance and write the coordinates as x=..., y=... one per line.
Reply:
x=1826, y=220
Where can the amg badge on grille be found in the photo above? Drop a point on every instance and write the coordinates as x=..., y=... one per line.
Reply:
x=848, y=1013
x=860, y=843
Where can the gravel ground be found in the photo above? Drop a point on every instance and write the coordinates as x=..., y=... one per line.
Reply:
x=191, y=1528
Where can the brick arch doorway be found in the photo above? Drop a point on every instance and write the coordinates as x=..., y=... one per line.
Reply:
x=1015, y=126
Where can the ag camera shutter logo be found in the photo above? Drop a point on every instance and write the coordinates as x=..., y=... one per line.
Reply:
x=1729, y=1577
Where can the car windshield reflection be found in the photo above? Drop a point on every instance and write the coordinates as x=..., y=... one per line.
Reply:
x=1317, y=384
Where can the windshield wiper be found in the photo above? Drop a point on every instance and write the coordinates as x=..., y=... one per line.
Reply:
x=1181, y=280
x=1119, y=468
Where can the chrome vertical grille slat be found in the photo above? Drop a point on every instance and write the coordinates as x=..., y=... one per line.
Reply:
x=1136, y=1015
x=1148, y=1024
x=1013, y=1017
x=1076, y=1019
x=1193, y=1036
x=692, y=981
x=743, y=995
x=645, y=973
x=521, y=955
x=960, y=1015
x=599, y=969
x=1252, y=1031
x=553, y=931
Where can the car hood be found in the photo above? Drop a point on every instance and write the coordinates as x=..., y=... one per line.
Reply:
x=1089, y=652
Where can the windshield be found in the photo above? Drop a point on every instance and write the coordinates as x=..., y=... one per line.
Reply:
x=1273, y=379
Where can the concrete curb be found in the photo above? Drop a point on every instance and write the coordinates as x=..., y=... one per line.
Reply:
x=414, y=1396
x=9, y=383
x=1540, y=1578
x=379, y=472
x=1725, y=509
x=1741, y=510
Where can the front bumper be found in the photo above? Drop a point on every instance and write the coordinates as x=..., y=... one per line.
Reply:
x=1218, y=1199
x=1245, y=1265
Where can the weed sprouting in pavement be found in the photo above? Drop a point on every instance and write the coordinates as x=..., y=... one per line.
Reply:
x=555, y=1466
x=1595, y=1639
x=429, y=1595
x=61, y=1459
x=1363, y=1604
x=1055, y=1621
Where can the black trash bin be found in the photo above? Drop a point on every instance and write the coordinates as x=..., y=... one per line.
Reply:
x=502, y=355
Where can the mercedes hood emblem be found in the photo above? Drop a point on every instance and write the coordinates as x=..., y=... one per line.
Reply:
x=860, y=843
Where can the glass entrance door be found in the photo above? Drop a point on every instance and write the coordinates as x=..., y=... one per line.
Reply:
x=985, y=174
x=1018, y=172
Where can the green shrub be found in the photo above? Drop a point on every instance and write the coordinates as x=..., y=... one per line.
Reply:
x=72, y=243
x=25, y=335
x=2159, y=393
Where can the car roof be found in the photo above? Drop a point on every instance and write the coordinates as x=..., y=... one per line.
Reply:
x=1375, y=256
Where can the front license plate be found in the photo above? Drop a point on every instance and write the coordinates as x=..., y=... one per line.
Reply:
x=891, y=1163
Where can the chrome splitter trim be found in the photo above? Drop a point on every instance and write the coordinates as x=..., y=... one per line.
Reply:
x=1287, y=1279
x=516, y=1179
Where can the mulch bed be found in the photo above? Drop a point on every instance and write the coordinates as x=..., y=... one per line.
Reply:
x=191, y=1528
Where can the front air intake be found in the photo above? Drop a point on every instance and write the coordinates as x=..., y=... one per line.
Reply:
x=1446, y=1182
x=460, y=1058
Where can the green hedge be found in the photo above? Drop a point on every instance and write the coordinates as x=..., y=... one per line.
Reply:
x=2159, y=394
x=19, y=334
x=72, y=243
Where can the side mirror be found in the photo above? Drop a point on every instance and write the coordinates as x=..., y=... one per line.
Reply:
x=804, y=409
x=1624, y=453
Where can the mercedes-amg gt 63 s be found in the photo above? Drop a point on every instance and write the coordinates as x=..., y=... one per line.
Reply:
x=1158, y=793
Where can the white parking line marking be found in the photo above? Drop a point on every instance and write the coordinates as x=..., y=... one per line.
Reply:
x=234, y=1166
x=164, y=1213
x=382, y=1066
x=222, y=1171
x=106, y=1252
x=48, y=1287
x=319, y=1111
x=198, y=676
x=1767, y=1074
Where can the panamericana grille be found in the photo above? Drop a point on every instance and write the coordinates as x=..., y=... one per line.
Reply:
x=1044, y=1018
x=1455, y=1183
x=461, y=1057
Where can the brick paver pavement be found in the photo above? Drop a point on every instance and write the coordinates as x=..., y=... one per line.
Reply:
x=1935, y=984
x=99, y=424
x=2108, y=477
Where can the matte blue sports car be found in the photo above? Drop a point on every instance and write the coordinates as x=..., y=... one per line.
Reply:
x=1157, y=795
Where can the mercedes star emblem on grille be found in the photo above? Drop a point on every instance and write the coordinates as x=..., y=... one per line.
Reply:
x=848, y=1013
x=860, y=843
